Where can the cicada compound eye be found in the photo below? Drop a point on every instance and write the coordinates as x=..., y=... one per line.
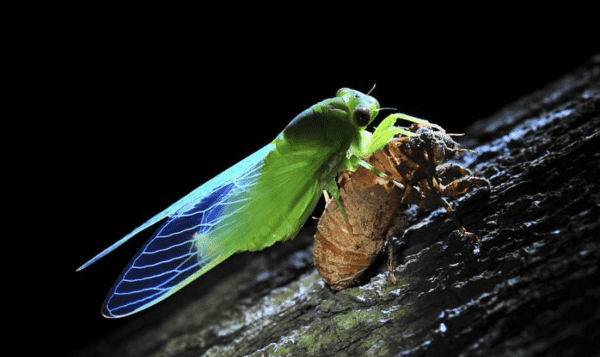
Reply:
x=362, y=115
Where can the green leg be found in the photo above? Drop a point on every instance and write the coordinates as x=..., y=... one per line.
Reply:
x=335, y=193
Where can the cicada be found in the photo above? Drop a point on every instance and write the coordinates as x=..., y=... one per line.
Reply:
x=263, y=199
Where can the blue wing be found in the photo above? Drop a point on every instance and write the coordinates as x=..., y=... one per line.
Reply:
x=184, y=247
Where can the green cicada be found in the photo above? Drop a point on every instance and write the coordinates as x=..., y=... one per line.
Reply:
x=263, y=199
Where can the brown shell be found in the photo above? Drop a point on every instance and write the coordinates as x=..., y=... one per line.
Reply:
x=343, y=250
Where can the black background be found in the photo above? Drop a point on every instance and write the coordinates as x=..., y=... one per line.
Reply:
x=147, y=116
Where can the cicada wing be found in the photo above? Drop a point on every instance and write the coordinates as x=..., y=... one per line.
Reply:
x=183, y=248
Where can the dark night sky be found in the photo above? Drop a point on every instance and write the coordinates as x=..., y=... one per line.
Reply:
x=156, y=118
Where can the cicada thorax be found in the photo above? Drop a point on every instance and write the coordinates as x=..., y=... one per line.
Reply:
x=344, y=250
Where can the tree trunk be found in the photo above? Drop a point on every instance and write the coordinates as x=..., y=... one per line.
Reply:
x=529, y=286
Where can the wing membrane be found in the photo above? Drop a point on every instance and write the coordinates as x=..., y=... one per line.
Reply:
x=263, y=199
x=183, y=248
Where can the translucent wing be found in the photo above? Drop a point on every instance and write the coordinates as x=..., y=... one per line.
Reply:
x=187, y=244
x=263, y=199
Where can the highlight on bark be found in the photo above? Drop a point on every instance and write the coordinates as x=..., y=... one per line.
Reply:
x=414, y=174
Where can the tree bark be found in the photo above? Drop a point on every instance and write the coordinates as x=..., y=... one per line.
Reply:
x=529, y=286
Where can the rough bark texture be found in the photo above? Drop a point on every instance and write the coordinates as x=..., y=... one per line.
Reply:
x=530, y=286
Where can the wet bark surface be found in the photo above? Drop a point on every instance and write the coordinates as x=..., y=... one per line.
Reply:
x=530, y=286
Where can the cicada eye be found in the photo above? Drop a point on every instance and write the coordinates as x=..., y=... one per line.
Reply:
x=362, y=115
